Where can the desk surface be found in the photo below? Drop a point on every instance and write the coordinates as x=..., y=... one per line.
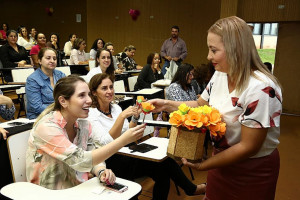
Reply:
x=146, y=91
x=10, y=87
x=162, y=83
x=88, y=190
x=159, y=154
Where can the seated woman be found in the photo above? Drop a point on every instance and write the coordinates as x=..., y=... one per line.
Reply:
x=40, y=84
x=41, y=43
x=109, y=118
x=68, y=45
x=25, y=41
x=104, y=64
x=7, y=111
x=61, y=148
x=126, y=58
x=54, y=41
x=97, y=45
x=13, y=55
x=32, y=35
x=180, y=88
x=109, y=46
x=3, y=30
x=150, y=72
x=77, y=54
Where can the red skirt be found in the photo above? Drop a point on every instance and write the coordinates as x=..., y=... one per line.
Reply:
x=252, y=179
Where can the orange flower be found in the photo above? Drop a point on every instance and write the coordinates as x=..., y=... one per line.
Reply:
x=193, y=119
x=177, y=119
x=147, y=107
x=222, y=128
x=140, y=99
x=214, y=116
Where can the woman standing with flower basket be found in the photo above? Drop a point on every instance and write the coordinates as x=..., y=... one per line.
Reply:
x=245, y=164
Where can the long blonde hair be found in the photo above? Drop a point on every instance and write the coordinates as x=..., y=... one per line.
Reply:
x=241, y=53
x=64, y=87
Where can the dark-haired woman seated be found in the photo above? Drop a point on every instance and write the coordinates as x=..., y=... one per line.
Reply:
x=13, y=55
x=97, y=45
x=181, y=88
x=111, y=124
x=150, y=72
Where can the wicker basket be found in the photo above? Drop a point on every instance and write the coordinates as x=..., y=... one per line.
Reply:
x=184, y=143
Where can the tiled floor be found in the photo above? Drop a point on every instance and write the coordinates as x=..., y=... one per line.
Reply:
x=289, y=177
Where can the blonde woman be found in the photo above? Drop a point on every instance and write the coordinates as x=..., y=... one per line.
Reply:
x=245, y=164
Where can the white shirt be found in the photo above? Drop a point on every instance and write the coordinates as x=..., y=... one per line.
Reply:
x=258, y=106
x=77, y=56
x=93, y=54
x=68, y=48
x=93, y=72
x=101, y=124
x=22, y=42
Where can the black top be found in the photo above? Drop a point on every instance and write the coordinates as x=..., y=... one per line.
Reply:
x=146, y=77
x=9, y=56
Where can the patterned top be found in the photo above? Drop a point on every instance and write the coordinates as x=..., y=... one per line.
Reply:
x=52, y=161
x=176, y=93
x=258, y=106
x=7, y=113
x=128, y=63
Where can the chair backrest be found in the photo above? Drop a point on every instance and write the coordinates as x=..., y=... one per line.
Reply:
x=65, y=69
x=17, y=146
x=119, y=86
x=131, y=82
x=20, y=75
x=92, y=64
x=149, y=129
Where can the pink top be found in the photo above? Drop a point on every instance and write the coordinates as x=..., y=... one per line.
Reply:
x=3, y=34
x=35, y=49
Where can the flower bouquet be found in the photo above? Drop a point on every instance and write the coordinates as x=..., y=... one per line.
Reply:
x=189, y=129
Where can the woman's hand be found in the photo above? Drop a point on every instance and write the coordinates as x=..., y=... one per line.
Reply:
x=108, y=177
x=4, y=133
x=131, y=110
x=21, y=63
x=189, y=164
x=133, y=134
x=160, y=105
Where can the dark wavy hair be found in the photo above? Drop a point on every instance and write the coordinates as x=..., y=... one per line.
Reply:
x=94, y=46
x=151, y=56
x=94, y=83
x=110, y=70
x=11, y=31
x=180, y=76
x=1, y=28
x=57, y=39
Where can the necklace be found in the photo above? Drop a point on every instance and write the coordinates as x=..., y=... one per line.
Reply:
x=105, y=113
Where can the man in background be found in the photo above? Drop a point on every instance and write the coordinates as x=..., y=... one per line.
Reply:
x=174, y=48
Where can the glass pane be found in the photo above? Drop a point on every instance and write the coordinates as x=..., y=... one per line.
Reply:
x=257, y=28
x=267, y=28
x=274, y=29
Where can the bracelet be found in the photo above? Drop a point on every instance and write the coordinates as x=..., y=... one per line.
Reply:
x=99, y=174
x=134, y=120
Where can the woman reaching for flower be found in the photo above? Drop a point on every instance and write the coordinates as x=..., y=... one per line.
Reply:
x=61, y=148
x=113, y=123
